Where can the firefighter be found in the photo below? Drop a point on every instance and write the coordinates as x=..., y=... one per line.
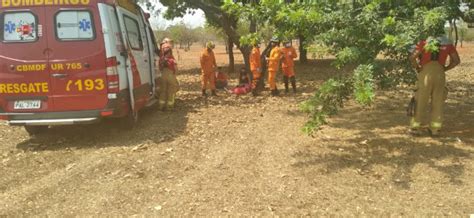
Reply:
x=273, y=65
x=429, y=59
x=208, y=69
x=168, y=82
x=289, y=54
x=255, y=64
x=221, y=79
x=166, y=43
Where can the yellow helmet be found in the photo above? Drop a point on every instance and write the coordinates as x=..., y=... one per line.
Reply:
x=167, y=40
x=210, y=45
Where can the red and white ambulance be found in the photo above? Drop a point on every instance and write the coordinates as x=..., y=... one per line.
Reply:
x=68, y=62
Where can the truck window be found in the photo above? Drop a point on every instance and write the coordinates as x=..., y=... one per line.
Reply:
x=74, y=25
x=19, y=27
x=133, y=33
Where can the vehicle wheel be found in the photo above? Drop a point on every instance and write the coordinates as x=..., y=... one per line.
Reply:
x=35, y=130
x=129, y=121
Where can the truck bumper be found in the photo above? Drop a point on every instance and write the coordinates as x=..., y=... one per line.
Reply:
x=52, y=118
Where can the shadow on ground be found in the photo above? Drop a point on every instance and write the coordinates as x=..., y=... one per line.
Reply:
x=378, y=137
x=153, y=126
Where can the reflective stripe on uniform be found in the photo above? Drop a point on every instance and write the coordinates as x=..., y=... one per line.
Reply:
x=436, y=125
x=414, y=124
x=171, y=100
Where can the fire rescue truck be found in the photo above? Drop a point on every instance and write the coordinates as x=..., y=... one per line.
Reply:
x=66, y=62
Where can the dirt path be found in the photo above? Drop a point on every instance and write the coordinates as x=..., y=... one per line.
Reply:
x=247, y=156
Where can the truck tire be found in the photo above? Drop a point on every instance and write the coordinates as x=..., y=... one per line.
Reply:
x=35, y=130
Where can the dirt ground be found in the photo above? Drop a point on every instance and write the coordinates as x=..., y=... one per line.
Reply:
x=247, y=155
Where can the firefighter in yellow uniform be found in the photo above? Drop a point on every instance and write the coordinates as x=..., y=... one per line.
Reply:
x=429, y=58
x=168, y=83
x=274, y=65
x=208, y=69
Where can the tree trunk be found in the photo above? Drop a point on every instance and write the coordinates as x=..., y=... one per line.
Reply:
x=230, y=48
x=245, y=50
x=226, y=43
x=227, y=22
x=263, y=62
x=302, y=49
x=456, y=33
x=450, y=31
x=189, y=46
x=253, y=25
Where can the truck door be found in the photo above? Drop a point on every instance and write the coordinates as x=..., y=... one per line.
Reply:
x=152, y=48
x=136, y=43
x=77, y=58
x=25, y=84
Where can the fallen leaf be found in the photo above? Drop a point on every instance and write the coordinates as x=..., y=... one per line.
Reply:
x=70, y=166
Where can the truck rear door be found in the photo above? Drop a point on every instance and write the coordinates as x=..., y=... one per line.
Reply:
x=77, y=58
x=25, y=84
x=135, y=39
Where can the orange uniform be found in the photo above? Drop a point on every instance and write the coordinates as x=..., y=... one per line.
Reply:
x=208, y=66
x=273, y=65
x=255, y=65
x=289, y=54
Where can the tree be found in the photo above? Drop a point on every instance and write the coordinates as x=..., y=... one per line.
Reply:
x=183, y=35
x=355, y=32
x=216, y=15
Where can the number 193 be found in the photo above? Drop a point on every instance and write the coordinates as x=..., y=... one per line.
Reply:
x=85, y=85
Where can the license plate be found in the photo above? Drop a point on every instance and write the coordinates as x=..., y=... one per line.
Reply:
x=27, y=104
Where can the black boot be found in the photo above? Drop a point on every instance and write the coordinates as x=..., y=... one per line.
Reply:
x=213, y=93
x=275, y=92
x=204, y=94
x=285, y=80
x=254, y=92
x=293, y=83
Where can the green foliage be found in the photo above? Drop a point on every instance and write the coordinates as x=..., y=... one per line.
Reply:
x=355, y=32
x=250, y=39
x=434, y=20
x=183, y=35
x=364, y=84
x=318, y=50
x=432, y=45
x=347, y=55
x=326, y=101
x=469, y=15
